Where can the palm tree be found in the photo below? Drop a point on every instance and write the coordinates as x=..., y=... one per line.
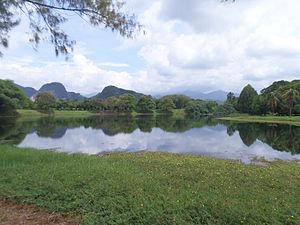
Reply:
x=273, y=101
x=290, y=97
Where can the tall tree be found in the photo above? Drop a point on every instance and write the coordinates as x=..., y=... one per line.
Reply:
x=145, y=104
x=47, y=16
x=127, y=103
x=273, y=101
x=258, y=106
x=166, y=105
x=246, y=98
x=196, y=108
x=180, y=101
x=290, y=96
x=224, y=110
x=45, y=102
x=230, y=97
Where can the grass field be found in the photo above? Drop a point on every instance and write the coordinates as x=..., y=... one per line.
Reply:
x=57, y=113
x=177, y=113
x=294, y=120
x=151, y=188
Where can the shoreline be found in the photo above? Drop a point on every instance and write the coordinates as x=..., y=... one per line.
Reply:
x=294, y=120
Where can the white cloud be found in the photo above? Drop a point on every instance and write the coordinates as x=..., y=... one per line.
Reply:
x=193, y=44
x=228, y=45
x=117, y=65
x=79, y=74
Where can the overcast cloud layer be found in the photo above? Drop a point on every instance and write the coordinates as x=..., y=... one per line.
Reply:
x=200, y=45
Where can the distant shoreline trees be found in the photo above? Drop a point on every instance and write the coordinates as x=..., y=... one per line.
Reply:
x=280, y=98
x=290, y=97
x=246, y=98
x=145, y=104
x=45, y=102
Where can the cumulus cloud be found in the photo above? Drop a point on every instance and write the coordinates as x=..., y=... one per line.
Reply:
x=194, y=44
x=226, y=45
x=79, y=74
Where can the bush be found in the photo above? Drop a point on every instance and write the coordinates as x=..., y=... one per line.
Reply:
x=145, y=104
x=196, y=108
x=166, y=105
x=297, y=109
x=11, y=98
x=45, y=102
x=224, y=110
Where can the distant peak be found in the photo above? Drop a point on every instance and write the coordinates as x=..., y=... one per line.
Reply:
x=111, y=86
x=113, y=91
x=59, y=91
x=54, y=83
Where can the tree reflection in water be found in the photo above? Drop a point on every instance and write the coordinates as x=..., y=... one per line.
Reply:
x=278, y=136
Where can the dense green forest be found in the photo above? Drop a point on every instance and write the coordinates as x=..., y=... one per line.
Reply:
x=12, y=98
x=280, y=98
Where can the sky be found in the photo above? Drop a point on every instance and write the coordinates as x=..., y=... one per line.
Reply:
x=197, y=45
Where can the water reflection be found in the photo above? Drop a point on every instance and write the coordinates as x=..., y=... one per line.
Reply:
x=206, y=136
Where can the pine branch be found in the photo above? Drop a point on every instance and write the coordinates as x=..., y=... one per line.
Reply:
x=80, y=10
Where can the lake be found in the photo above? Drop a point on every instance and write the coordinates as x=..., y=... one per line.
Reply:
x=246, y=142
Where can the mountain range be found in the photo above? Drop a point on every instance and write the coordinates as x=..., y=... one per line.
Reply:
x=60, y=92
x=57, y=89
x=219, y=95
x=28, y=91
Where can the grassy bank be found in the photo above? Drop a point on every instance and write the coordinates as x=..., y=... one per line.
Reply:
x=178, y=113
x=57, y=113
x=293, y=120
x=152, y=188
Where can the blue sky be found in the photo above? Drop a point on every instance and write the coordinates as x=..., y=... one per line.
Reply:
x=201, y=45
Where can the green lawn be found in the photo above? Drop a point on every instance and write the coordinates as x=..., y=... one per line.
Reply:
x=178, y=113
x=294, y=120
x=57, y=113
x=30, y=113
x=152, y=188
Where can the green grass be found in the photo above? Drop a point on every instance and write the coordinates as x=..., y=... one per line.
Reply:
x=177, y=113
x=57, y=113
x=30, y=113
x=294, y=120
x=25, y=113
x=72, y=113
x=152, y=188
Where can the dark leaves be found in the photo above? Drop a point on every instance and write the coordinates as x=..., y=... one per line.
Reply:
x=47, y=16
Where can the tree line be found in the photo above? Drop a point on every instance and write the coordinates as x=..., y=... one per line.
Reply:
x=280, y=98
x=282, y=138
x=12, y=98
x=128, y=103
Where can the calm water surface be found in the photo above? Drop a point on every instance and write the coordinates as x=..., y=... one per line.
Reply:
x=246, y=142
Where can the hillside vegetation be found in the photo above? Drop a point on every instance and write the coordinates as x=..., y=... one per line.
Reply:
x=280, y=98
x=11, y=98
